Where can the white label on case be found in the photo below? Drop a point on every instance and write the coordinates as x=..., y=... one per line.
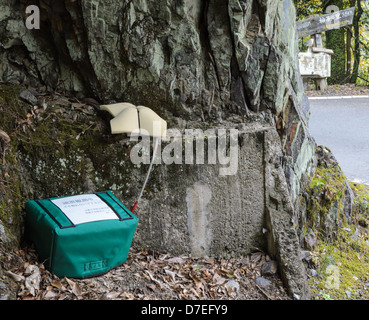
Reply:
x=85, y=208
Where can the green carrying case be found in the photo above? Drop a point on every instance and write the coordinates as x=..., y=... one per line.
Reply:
x=80, y=236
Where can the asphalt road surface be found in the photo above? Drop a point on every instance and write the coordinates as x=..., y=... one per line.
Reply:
x=342, y=125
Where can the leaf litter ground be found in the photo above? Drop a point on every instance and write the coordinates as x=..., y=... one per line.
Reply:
x=150, y=276
x=339, y=90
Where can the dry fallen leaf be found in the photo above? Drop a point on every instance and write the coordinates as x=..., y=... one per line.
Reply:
x=57, y=284
x=15, y=277
x=176, y=260
x=127, y=295
x=171, y=274
x=50, y=295
x=70, y=282
x=329, y=194
x=111, y=295
x=77, y=290
x=151, y=286
x=218, y=280
x=155, y=280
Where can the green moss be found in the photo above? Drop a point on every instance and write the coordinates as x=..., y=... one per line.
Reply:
x=11, y=199
x=342, y=261
x=9, y=94
x=11, y=108
x=348, y=258
x=325, y=201
x=360, y=211
x=332, y=178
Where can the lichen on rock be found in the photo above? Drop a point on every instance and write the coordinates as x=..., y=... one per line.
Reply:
x=326, y=202
x=333, y=229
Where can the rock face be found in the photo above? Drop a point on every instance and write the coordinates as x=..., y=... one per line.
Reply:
x=219, y=64
x=198, y=60
x=326, y=203
x=184, y=50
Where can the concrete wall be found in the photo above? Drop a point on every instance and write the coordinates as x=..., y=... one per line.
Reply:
x=203, y=213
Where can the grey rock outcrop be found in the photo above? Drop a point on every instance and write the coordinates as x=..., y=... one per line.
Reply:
x=202, y=60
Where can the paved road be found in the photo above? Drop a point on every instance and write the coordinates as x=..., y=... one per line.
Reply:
x=342, y=125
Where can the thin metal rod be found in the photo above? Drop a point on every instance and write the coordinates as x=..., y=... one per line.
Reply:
x=148, y=174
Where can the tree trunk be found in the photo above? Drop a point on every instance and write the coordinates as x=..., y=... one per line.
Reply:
x=357, y=54
x=335, y=40
x=348, y=47
x=348, y=53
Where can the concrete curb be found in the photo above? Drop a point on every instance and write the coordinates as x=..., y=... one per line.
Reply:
x=338, y=97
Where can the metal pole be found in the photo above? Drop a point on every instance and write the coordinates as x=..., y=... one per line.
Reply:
x=147, y=175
